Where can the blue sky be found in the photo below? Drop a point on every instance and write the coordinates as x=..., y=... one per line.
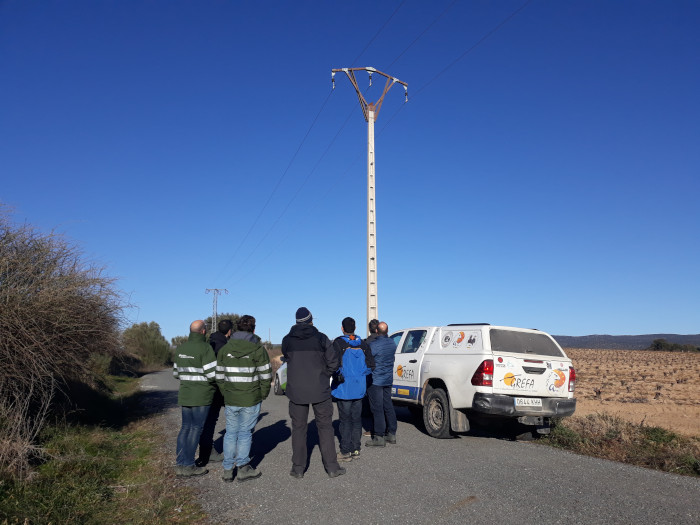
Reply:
x=544, y=172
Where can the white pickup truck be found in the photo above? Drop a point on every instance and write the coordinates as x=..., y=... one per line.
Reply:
x=460, y=372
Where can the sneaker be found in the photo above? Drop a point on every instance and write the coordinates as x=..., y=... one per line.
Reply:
x=246, y=473
x=336, y=473
x=192, y=470
x=376, y=441
x=356, y=454
x=391, y=439
x=344, y=457
x=295, y=474
x=228, y=475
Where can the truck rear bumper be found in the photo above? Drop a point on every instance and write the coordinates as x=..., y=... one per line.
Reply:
x=502, y=405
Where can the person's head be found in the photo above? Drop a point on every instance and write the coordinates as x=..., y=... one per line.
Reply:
x=383, y=328
x=225, y=326
x=304, y=316
x=246, y=324
x=348, y=325
x=373, y=326
x=198, y=327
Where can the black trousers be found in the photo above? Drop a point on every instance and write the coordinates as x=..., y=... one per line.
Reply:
x=206, y=440
x=323, y=412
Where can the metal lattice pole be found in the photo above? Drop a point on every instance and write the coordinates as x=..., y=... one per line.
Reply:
x=216, y=292
x=370, y=112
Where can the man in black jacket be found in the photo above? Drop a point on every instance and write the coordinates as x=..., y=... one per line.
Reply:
x=311, y=361
x=207, y=452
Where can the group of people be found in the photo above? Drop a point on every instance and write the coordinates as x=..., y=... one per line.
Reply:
x=233, y=370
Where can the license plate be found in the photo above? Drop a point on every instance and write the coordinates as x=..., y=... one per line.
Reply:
x=528, y=402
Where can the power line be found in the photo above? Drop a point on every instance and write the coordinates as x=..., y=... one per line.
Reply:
x=277, y=185
x=377, y=33
x=424, y=32
x=460, y=57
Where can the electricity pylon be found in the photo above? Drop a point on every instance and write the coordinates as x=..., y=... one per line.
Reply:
x=216, y=292
x=370, y=112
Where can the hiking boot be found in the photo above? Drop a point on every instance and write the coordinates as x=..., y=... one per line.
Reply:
x=192, y=470
x=295, y=474
x=391, y=439
x=336, y=473
x=246, y=473
x=228, y=475
x=376, y=441
x=356, y=455
x=216, y=456
x=344, y=457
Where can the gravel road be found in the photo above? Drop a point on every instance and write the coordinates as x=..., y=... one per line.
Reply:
x=425, y=480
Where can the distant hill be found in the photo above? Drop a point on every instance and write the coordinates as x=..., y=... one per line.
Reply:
x=623, y=342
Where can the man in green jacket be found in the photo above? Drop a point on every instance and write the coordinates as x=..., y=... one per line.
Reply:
x=244, y=375
x=195, y=366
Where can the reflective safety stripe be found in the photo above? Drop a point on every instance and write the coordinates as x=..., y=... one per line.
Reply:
x=193, y=378
x=239, y=379
x=211, y=374
x=265, y=367
x=191, y=369
x=265, y=376
x=236, y=369
x=210, y=365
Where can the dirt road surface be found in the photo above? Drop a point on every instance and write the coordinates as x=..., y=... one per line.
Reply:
x=469, y=479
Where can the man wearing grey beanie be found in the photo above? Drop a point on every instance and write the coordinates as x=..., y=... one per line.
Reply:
x=311, y=361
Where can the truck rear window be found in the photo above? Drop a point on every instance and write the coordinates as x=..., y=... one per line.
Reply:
x=523, y=343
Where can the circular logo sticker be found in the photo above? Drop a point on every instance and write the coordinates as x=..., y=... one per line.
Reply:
x=509, y=379
x=446, y=339
x=399, y=371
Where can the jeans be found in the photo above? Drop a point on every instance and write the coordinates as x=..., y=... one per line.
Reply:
x=187, y=440
x=350, y=414
x=323, y=412
x=206, y=440
x=382, y=410
x=240, y=422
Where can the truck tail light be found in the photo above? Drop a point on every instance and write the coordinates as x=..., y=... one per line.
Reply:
x=484, y=374
x=572, y=379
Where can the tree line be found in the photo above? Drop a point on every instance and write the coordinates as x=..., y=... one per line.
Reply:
x=663, y=345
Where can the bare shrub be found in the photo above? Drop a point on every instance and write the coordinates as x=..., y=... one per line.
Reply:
x=55, y=312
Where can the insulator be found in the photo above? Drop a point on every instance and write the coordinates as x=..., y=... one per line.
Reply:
x=333, y=81
x=406, y=97
x=370, y=79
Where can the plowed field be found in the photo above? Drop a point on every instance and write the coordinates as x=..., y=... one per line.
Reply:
x=659, y=388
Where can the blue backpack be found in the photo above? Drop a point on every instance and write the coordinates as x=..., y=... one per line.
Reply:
x=354, y=370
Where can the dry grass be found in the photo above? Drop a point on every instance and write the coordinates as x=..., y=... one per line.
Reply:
x=640, y=386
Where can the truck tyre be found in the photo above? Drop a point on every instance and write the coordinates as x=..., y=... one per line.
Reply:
x=436, y=414
x=278, y=388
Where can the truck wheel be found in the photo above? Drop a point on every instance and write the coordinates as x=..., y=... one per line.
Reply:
x=436, y=414
x=278, y=387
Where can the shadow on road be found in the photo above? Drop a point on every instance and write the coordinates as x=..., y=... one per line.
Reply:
x=266, y=439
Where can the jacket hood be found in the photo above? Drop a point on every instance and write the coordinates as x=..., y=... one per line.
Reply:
x=303, y=331
x=241, y=344
x=245, y=336
x=352, y=340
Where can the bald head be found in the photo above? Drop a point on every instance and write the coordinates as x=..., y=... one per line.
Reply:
x=382, y=328
x=198, y=327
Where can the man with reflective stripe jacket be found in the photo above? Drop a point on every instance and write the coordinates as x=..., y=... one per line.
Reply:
x=244, y=376
x=195, y=366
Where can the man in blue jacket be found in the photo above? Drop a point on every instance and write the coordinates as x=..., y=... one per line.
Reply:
x=356, y=364
x=379, y=393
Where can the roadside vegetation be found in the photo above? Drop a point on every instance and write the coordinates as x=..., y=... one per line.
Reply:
x=74, y=447
x=110, y=472
x=610, y=437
